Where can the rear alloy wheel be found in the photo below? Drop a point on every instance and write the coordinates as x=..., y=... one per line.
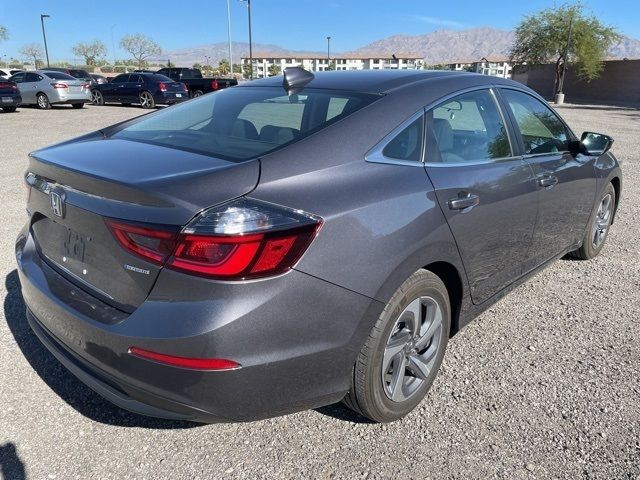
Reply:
x=97, y=98
x=197, y=93
x=599, y=225
x=403, y=352
x=77, y=105
x=43, y=101
x=146, y=100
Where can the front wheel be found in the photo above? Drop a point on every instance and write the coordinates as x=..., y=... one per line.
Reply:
x=402, y=355
x=43, y=101
x=146, y=100
x=599, y=225
x=97, y=98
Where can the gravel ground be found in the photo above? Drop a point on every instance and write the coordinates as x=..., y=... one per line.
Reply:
x=544, y=384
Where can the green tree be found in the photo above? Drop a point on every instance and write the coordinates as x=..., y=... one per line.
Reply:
x=34, y=52
x=439, y=66
x=544, y=37
x=247, y=70
x=274, y=70
x=237, y=68
x=92, y=52
x=140, y=47
x=197, y=65
x=332, y=65
x=4, y=33
x=223, y=66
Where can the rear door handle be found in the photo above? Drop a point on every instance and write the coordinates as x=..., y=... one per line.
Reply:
x=463, y=201
x=547, y=181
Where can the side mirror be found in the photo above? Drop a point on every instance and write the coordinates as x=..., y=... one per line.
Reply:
x=595, y=143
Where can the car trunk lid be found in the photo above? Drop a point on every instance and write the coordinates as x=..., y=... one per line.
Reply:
x=77, y=186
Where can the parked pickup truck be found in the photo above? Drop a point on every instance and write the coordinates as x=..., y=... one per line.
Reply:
x=195, y=82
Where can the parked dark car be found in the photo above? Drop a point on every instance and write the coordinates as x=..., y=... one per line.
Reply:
x=145, y=89
x=195, y=82
x=98, y=79
x=78, y=73
x=298, y=241
x=9, y=96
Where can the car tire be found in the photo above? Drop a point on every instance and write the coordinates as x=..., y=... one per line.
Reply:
x=197, y=93
x=43, y=101
x=401, y=356
x=77, y=105
x=599, y=225
x=97, y=98
x=146, y=100
x=9, y=109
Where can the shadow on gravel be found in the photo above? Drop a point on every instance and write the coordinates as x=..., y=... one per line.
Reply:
x=11, y=467
x=63, y=383
x=339, y=411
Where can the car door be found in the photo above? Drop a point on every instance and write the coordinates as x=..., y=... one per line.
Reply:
x=566, y=181
x=131, y=89
x=487, y=192
x=112, y=91
x=30, y=87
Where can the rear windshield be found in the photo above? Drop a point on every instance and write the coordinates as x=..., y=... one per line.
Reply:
x=159, y=78
x=59, y=76
x=241, y=123
x=79, y=73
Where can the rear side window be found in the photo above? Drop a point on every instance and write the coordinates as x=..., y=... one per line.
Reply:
x=32, y=77
x=79, y=73
x=467, y=128
x=18, y=77
x=407, y=144
x=238, y=124
x=542, y=131
x=121, y=78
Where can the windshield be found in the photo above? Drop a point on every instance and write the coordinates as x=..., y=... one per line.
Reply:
x=238, y=124
x=59, y=76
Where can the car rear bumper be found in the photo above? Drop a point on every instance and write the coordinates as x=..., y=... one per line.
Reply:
x=10, y=100
x=169, y=98
x=59, y=96
x=295, y=337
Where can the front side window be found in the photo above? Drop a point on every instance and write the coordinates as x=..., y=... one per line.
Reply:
x=467, y=128
x=542, y=131
x=121, y=78
x=18, y=77
x=239, y=124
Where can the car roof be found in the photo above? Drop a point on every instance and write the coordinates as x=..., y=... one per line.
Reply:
x=373, y=81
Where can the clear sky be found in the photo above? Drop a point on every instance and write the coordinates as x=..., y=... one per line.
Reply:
x=294, y=24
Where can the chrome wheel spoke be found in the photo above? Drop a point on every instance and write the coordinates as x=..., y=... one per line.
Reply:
x=397, y=379
x=413, y=317
x=395, y=346
x=431, y=327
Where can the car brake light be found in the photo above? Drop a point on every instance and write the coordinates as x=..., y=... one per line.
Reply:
x=162, y=87
x=215, y=85
x=184, y=87
x=185, y=362
x=85, y=86
x=239, y=240
x=59, y=85
x=151, y=244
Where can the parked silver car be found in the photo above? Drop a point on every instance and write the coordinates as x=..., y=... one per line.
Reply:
x=45, y=88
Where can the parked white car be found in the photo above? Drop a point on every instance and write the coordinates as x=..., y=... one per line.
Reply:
x=5, y=73
x=45, y=88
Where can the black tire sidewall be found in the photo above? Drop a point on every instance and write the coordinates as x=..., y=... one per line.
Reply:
x=379, y=406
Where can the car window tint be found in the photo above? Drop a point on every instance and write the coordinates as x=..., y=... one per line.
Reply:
x=467, y=128
x=32, y=77
x=59, y=76
x=239, y=124
x=542, y=131
x=135, y=79
x=336, y=106
x=121, y=78
x=18, y=77
x=407, y=144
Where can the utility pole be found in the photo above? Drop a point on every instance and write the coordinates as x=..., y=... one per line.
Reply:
x=113, y=46
x=565, y=57
x=250, y=42
x=229, y=35
x=44, y=35
x=328, y=49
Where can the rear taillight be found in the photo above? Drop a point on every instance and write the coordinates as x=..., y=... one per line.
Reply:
x=162, y=87
x=59, y=85
x=85, y=86
x=236, y=241
x=152, y=244
x=12, y=86
x=215, y=85
x=184, y=87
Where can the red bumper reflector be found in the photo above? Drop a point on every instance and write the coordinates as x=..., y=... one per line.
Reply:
x=185, y=362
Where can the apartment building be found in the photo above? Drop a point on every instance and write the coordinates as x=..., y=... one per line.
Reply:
x=495, y=66
x=264, y=62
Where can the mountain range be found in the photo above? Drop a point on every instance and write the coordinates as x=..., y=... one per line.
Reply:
x=441, y=46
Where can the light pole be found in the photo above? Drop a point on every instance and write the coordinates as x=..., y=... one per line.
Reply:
x=44, y=35
x=328, y=49
x=229, y=35
x=113, y=46
x=250, y=42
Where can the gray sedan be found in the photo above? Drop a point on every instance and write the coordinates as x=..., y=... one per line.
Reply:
x=301, y=240
x=45, y=88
